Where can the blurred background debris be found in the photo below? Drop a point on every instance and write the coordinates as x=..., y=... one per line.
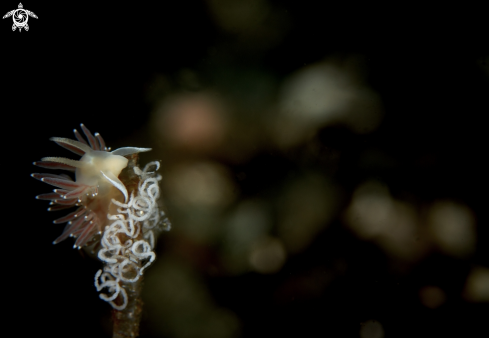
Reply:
x=324, y=166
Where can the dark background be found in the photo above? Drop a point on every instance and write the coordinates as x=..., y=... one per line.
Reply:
x=112, y=67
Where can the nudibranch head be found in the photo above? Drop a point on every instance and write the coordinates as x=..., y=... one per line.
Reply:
x=96, y=184
x=96, y=161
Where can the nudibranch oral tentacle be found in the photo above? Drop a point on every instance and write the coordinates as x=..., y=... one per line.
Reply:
x=96, y=184
x=129, y=151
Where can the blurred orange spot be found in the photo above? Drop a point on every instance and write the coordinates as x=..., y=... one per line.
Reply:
x=193, y=121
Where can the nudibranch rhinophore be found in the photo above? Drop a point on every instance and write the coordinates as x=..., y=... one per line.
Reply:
x=96, y=184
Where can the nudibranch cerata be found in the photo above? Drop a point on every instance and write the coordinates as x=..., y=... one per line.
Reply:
x=96, y=184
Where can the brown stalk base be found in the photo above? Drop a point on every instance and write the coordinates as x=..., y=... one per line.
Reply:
x=126, y=322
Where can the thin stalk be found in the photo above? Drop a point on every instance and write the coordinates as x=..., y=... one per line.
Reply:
x=126, y=322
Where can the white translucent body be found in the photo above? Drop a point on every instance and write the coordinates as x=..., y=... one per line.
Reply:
x=92, y=166
x=96, y=184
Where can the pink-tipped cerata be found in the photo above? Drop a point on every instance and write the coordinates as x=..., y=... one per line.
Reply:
x=96, y=184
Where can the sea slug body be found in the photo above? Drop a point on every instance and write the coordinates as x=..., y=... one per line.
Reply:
x=96, y=184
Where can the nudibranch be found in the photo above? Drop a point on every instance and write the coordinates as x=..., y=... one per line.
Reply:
x=96, y=184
